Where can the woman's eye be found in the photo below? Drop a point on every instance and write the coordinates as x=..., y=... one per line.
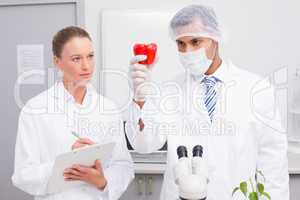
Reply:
x=91, y=56
x=76, y=59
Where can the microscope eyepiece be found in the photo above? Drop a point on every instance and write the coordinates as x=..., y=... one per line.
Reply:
x=197, y=151
x=182, y=152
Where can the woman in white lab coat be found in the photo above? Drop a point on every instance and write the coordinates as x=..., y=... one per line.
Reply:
x=49, y=122
x=236, y=122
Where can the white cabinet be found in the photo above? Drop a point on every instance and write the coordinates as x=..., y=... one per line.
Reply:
x=144, y=187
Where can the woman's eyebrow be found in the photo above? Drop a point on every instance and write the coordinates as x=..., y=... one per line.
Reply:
x=75, y=55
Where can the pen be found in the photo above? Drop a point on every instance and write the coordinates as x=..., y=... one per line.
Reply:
x=75, y=134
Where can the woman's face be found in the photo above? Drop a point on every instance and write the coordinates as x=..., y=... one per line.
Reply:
x=76, y=60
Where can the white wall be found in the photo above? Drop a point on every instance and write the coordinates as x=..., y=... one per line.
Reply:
x=260, y=36
x=272, y=21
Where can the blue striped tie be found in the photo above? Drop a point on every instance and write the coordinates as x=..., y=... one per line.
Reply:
x=210, y=98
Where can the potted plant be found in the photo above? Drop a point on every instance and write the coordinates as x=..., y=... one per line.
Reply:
x=257, y=188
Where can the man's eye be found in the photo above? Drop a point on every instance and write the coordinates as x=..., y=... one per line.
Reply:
x=196, y=42
x=91, y=56
x=180, y=44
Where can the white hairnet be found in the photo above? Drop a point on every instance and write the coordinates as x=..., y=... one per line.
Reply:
x=195, y=20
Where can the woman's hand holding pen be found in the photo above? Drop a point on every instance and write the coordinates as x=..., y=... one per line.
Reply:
x=81, y=142
x=90, y=174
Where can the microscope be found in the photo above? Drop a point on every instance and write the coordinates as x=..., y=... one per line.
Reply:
x=191, y=175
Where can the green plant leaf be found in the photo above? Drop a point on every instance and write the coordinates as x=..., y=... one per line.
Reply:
x=234, y=190
x=243, y=187
x=266, y=195
x=253, y=196
x=260, y=188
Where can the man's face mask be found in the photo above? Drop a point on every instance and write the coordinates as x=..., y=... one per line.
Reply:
x=195, y=62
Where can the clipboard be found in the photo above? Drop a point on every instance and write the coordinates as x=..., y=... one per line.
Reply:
x=83, y=156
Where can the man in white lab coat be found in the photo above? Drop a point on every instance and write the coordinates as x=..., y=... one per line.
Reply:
x=50, y=123
x=227, y=110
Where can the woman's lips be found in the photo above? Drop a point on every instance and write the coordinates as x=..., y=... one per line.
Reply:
x=86, y=75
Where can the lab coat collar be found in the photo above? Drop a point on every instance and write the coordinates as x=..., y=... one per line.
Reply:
x=223, y=73
x=62, y=94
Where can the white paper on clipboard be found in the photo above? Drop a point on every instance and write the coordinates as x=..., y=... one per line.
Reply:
x=84, y=156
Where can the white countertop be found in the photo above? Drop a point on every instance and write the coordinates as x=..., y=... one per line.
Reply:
x=149, y=168
x=159, y=168
x=294, y=163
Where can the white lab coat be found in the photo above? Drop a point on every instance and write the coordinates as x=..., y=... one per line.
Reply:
x=246, y=134
x=44, y=132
